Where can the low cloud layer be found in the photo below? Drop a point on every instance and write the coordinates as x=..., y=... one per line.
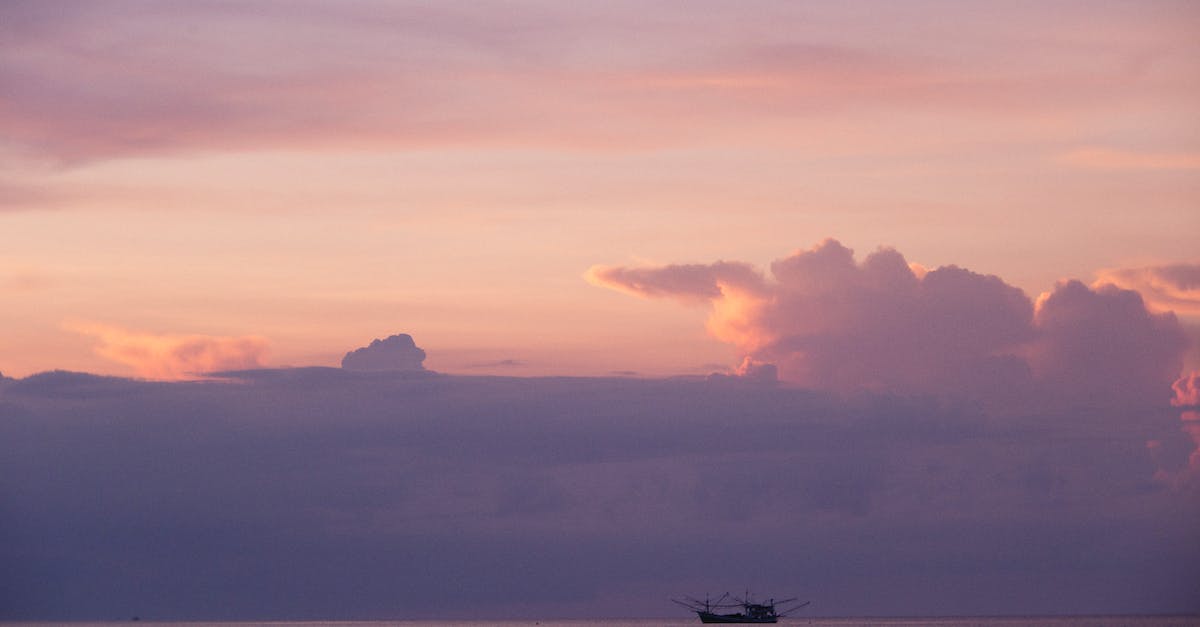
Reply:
x=397, y=352
x=172, y=356
x=828, y=322
x=322, y=493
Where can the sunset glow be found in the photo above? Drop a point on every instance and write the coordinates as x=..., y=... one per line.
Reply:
x=434, y=275
x=314, y=176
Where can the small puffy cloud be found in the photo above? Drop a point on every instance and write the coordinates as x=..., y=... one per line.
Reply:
x=1172, y=286
x=397, y=352
x=825, y=320
x=174, y=357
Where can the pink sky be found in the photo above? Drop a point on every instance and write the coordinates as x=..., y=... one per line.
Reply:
x=280, y=183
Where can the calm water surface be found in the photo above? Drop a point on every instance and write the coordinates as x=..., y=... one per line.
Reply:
x=1014, y=621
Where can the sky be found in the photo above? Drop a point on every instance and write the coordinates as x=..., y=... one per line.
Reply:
x=552, y=283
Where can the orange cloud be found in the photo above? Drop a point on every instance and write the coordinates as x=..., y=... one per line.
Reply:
x=1187, y=396
x=827, y=321
x=736, y=291
x=1187, y=392
x=1174, y=287
x=686, y=282
x=173, y=357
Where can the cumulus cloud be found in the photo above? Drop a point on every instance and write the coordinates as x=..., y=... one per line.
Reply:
x=397, y=352
x=827, y=321
x=170, y=356
x=1104, y=344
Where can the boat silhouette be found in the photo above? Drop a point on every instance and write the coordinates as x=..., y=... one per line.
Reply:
x=748, y=610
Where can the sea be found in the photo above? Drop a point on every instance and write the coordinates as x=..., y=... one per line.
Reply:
x=962, y=621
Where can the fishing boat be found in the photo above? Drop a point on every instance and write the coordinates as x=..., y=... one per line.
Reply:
x=747, y=610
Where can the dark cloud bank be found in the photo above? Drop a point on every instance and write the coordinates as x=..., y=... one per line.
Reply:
x=327, y=493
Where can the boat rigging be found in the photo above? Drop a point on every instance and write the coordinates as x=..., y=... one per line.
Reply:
x=749, y=610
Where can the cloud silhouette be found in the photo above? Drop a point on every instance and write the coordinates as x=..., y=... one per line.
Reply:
x=397, y=352
x=829, y=322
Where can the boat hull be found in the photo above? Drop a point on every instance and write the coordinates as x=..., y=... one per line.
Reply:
x=724, y=619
